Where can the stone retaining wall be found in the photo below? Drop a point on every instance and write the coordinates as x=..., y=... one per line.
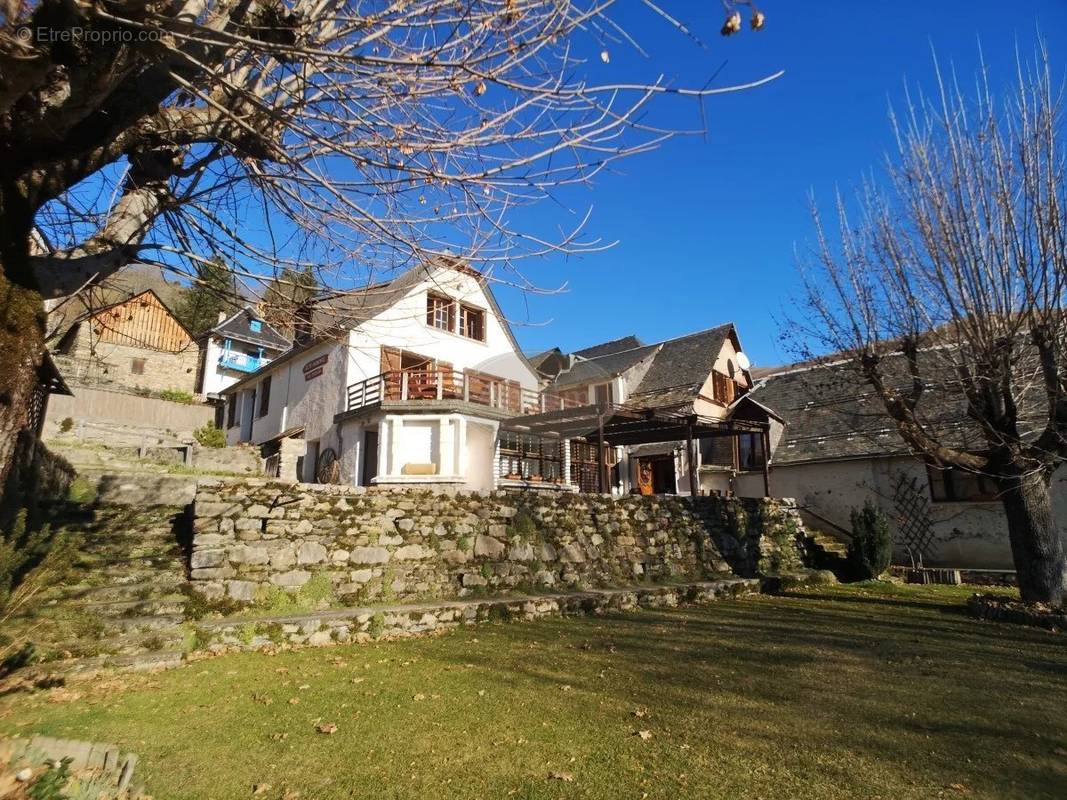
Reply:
x=349, y=545
x=367, y=624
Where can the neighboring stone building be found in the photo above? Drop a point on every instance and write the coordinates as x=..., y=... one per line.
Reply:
x=834, y=447
x=131, y=343
x=239, y=345
x=700, y=376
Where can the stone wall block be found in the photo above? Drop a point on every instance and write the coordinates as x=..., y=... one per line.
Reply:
x=487, y=546
x=294, y=578
x=369, y=555
x=207, y=558
x=310, y=553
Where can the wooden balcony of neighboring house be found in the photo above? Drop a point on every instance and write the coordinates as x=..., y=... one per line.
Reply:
x=450, y=386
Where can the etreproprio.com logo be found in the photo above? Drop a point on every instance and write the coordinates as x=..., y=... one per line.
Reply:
x=42, y=34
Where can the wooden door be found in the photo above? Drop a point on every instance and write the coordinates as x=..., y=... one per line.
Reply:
x=392, y=362
x=644, y=476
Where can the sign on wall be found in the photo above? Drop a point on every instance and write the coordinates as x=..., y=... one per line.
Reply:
x=314, y=367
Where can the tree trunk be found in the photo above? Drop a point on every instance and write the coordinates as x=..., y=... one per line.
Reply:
x=1036, y=543
x=21, y=349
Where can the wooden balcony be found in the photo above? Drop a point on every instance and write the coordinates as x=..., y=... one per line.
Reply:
x=412, y=386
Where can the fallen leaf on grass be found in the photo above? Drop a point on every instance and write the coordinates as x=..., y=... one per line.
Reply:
x=566, y=777
x=644, y=735
x=959, y=787
x=261, y=788
x=640, y=712
x=326, y=727
x=279, y=737
x=418, y=697
x=294, y=701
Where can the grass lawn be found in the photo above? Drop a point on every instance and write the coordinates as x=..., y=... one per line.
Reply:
x=830, y=693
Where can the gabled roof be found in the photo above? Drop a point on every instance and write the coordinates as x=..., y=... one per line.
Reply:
x=607, y=348
x=336, y=312
x=238, y=326
x=603, y=368
x=127, y=283
x=681, y=368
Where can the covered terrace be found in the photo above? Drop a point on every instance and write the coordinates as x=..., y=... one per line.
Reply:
x=606, y=425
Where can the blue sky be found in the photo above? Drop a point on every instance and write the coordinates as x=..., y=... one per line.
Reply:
x=707, y=228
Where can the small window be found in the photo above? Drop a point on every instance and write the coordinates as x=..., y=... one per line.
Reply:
x=750, y=452
x=137, y=366
x=954, y=485
x=472, y=323
x=231, y=410
x=603, y=394
x=440, y=312
x=723, y=388
x=264, y=397
x=255, y=325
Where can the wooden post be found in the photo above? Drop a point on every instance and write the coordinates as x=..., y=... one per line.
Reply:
x=765, y=439
x=602, y=467
x=690, y=461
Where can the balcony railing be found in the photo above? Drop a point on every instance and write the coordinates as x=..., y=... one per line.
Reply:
x=483, y=390
x=242, y=362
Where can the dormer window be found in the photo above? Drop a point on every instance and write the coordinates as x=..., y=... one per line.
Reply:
x=472, y=323
x=440, y=312
x=255, y=325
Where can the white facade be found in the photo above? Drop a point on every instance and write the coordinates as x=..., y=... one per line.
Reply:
x=228, y=356
x=425, y=442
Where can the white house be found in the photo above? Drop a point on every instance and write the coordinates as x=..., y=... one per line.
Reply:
x=239, y=345
x=403, y=382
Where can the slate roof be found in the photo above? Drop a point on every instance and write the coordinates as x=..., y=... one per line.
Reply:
x=681, y=367
x=607, y=348
x=603, y=368
x=831, y=413
x=238, y=327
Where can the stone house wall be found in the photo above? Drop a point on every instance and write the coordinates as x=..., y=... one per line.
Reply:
x=395, y=545
x=108, y=364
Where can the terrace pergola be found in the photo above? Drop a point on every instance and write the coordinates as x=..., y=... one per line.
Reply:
x=621, y=425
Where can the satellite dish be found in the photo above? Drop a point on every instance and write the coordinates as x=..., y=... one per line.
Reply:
x=742, y=361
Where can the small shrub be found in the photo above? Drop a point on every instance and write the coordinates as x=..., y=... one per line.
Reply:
x=66, y=424
x=177, y=396
x=210, y=436
x=872, y=545
x=81, y=491
x=376, y=627
x=523, y=525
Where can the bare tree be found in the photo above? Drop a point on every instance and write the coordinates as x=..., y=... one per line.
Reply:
x=946, y=292
x=349, y=136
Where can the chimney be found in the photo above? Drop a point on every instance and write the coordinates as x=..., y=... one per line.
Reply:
x=302, y=324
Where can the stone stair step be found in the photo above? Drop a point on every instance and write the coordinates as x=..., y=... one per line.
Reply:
x=88, y=593
x=153, y=622
x=166, y=605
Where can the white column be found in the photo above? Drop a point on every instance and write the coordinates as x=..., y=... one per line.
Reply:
x=396, y=431
x=446, y=449
x=462, y=456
